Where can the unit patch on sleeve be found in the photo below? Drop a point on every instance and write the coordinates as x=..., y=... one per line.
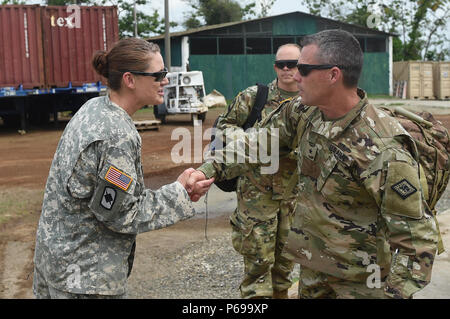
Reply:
x=404, y=188
x=118, y=178
x=108, y=198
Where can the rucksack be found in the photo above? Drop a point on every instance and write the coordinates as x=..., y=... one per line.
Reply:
x=230, y=185
x=433, y=145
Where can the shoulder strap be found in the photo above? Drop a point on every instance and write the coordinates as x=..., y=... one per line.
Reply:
x=301, y=126
x=260, y=101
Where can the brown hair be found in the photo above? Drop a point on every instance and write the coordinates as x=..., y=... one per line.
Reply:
x=127, y=54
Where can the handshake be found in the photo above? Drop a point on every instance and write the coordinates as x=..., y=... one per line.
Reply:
x=195, y=183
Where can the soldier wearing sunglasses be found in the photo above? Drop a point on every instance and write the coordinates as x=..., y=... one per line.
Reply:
x=95, y=200
x=260, y=205
x=362, y=227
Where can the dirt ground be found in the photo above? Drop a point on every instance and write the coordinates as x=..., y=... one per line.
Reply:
x=24, y=164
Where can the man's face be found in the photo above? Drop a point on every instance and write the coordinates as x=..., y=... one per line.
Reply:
x=313, y=86
x=285, y=74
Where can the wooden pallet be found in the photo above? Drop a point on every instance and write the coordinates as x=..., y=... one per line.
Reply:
x=147, y=125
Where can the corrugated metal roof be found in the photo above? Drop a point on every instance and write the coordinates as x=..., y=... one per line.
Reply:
x=228, y=24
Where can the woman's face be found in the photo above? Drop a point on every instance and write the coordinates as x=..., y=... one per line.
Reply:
x=150, y=91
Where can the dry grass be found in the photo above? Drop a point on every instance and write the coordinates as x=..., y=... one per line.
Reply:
x=16, y=202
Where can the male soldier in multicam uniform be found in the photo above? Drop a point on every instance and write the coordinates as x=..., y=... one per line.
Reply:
x=260, y=223
x=362, y=228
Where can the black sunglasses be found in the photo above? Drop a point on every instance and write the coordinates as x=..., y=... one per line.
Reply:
x=159, y=76
x=304, y=69
x=280, y=64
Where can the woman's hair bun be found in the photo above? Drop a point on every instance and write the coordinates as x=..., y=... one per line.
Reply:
x=100, y=63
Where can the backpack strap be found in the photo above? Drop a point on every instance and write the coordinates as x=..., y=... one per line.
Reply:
x=301, y=126
x=258, y=105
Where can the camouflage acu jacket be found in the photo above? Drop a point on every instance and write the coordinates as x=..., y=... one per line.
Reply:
x=360, y=204
x=95, y=203
x=236, y=116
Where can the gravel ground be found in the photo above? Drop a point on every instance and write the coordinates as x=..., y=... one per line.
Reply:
x=209, y=269
x=201, y=269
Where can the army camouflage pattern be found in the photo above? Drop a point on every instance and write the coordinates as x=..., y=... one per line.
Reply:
x=89, y=221
x=260, y=223
x=360, y=201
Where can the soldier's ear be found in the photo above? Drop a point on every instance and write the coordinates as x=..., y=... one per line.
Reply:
x=129, y=80
x=335, y=74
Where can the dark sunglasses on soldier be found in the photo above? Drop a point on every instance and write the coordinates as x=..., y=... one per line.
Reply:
x=305, y=69
x=280, y=64
x=159, y=76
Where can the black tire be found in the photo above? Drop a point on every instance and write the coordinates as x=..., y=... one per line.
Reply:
x=161, y=117
x=11, y=121
x=202, y=117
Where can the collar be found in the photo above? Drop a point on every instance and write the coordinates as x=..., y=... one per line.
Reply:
x=333, y=129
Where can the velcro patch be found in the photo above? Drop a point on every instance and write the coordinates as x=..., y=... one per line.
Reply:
x=404, y=188
x=118, y=178
x=402, y=195
x=108, y=198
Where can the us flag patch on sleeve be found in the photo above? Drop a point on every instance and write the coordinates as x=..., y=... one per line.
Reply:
x=118, y=178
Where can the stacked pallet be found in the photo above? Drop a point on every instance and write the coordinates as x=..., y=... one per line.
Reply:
x=147, y=125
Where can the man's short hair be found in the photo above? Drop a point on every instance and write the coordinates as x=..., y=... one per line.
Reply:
x=338, y=47
x=295, y=45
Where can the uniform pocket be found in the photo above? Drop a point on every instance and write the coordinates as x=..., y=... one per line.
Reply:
x=326, y=169
x=255, y=240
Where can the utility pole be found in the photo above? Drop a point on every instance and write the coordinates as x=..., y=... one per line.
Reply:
x=135, y=20
x=167, y=35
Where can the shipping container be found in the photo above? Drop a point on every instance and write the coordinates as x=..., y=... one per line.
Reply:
x=418, y=77
x=45, y=59
x=70, y=38
x=21, y=53
x=52, y=46
x=442, y=80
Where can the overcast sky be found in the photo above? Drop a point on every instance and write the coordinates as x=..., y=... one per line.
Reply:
x=177, y=9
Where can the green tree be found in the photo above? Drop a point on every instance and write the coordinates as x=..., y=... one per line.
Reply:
x=147, y=25
x=12, y=2
x=265, y=6
x=216, y=12
x=420, y=24
x=67, y=2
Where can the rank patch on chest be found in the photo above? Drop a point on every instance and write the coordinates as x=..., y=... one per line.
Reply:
x=404, y=188
x=108, y=198
x=311, y=152
x=118, y=178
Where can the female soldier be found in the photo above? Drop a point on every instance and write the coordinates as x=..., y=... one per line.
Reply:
x=95, y=201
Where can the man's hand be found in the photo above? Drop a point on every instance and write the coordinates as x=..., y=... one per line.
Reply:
x=195, y=183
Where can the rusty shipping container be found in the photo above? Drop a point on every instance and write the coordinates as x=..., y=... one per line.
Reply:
x=21, y=53
x=70, y=37
x=52, y=46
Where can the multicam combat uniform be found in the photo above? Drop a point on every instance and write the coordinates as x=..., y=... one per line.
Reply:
x=95, y=203
x=361, y=221
x=260, y=223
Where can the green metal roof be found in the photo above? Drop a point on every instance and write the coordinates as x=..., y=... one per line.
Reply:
x=228, y=24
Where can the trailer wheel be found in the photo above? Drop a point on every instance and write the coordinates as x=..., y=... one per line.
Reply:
x=161, y=117
x=202, y=117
